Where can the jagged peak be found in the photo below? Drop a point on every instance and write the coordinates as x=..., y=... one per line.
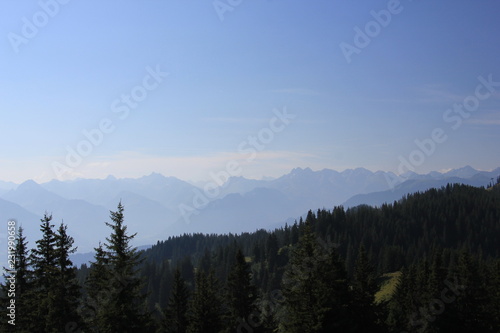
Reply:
x=29, y=184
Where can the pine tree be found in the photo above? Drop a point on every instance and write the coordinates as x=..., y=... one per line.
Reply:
x=257, y=252
x=65, y=290
x=272, y=251
x=364, y=288
x=272, y=279
x=55, y=294
x=294, y=234
x=205, y=261
x=315, y=289
x=241, y=293
x=44, y=261
x=98, y=295
x=124, y=305
x=494, y=291
x=398, y=318
x=206, y=309
x=176, y=313
x=472, y=298
x=437, y=277
x=334, y=290
x=23, y=284
x=187, y=271
x=165, y=280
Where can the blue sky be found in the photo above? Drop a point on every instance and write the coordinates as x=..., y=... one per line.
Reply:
x=229, y=71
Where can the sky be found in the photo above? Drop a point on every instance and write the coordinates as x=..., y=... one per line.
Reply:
x=249, y=88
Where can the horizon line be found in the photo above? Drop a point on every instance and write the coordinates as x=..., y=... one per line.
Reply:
x=263, y=178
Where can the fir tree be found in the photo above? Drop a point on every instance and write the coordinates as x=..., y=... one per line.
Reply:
x=165, y=280
x=44, y=261
x=494, y=292
x=206, y=309
x=272, y=251
x=314, y=288
x=437, y=277
x=334, y=293
x=364, y=288
x=398, y=318
x=176, y=313
x=21, y=276
x=124, y=305
x=65, y=290
x=98, y=294
x=205, y=261
x=470, y=306
x=241, y=293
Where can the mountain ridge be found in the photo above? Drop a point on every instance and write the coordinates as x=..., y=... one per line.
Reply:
x=153, y=202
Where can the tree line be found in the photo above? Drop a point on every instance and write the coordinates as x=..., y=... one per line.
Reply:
x=320, y=274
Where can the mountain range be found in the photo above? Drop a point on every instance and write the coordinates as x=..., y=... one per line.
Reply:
x=157, y=207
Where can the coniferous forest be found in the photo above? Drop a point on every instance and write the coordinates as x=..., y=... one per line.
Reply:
x=429, y=262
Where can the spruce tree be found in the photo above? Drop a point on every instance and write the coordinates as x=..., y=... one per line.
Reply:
x=65, y=291
x=334, y=293
x=399, y=310
x=437, y=277
x=176, y=313
x=315, y=289
x=21, y=275
x=494, y=291
x=272, y=248
x=206, y=308
x=55, y=294
x=97, y=293
x=364, y=288
x=123, y=307
x=44, y=262
x=471, y=302
x=206, y=261
x=241, y=293
x=165, y=280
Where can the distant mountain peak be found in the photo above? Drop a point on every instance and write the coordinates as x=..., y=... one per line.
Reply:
x=357, y=171
x=110, y=177
x=408, y=175
x=467, y=168
x=464, y=172
x=29, y=189
x=29, y=185
x=301, y=170
x=154, y=176
x=235, y=179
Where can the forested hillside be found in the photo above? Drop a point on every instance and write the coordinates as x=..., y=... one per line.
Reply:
x=317, y=275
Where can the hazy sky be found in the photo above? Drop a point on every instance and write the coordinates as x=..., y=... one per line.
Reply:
x=255, y=87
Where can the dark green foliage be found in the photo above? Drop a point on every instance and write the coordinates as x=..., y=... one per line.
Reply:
x=324, y=269
x=176, y=314
x=65, y=290
x=241, y=293
x=315, y=289
x=423, y=232
x=97, y=295
x=457, y=303
x=118, y=305
x=494, y=292
x=54, y=294
x=206, y=309
x=364, y=288
x=472, y=304
x=399, y=306
x=43, y=259
x=22, y=288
